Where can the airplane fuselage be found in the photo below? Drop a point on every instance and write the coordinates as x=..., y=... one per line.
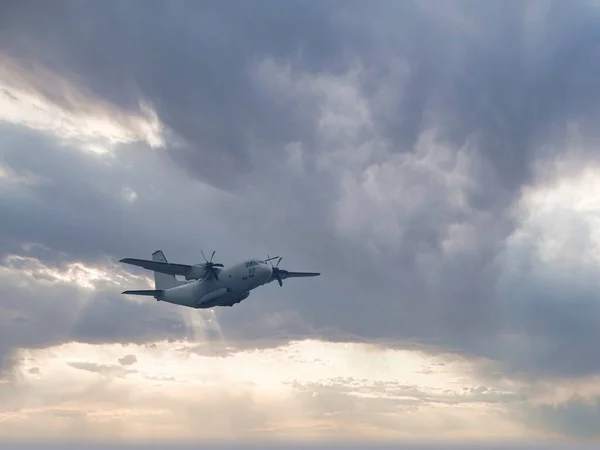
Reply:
x=233, y=286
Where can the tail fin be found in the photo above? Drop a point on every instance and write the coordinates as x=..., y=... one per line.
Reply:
x=163, y=281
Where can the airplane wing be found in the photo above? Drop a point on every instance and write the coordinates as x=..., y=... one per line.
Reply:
x=156, y=266
x=282, y=274
x=287, y=274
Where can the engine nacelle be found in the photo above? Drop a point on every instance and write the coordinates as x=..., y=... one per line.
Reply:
x=196, y=272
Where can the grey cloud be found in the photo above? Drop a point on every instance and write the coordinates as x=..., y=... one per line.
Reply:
x=61, y=312
x=578, y=417
x=78, y=195
x=549, y=316
x=481, y=70
x=214, y=45
x=86, y=219
x=410, y=396
x=128, y=360
x=102, y=369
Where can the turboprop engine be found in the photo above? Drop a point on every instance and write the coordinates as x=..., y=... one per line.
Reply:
x=203, y=270
x=196, y=272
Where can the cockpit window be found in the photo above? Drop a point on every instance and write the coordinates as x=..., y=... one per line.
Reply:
x=252, y=263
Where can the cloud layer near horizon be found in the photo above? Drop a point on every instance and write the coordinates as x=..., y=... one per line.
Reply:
x=435, y=163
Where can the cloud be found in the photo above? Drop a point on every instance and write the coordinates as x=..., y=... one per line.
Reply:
x=547, y=291
x=577, y=417
x=416, y=156
x=103, y=369
x=127, y=360
x=216, y=64
x=44, y=306
x=412, y=199
x=93, y=126
x=277, y=397
x=105, y=187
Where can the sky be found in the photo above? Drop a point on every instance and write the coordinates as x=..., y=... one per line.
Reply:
x=435, y=161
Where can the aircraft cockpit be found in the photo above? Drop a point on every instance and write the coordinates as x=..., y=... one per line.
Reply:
x=254, y=262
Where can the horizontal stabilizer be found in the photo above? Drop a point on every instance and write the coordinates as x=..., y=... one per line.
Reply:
x=158, y=266
x=148, y=292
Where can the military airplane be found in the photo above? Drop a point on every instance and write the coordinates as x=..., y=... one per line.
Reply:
x=209, y=284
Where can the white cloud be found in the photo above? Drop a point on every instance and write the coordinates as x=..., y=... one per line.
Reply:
x=129, y=195
x=74, y=274
x=89, y=122
x=293, y=391
x=564, y=216
x=9, y=177
x=558, y=236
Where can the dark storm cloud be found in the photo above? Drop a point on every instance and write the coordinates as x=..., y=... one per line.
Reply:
x=189, y=61
x=78, y=206
x=508, y=74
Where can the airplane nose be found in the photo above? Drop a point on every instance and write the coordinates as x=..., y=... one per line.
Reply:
x=266, y=272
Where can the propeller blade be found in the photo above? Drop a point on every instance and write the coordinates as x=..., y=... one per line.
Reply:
x=211, y=271
x=276, y=276
x=271, y=258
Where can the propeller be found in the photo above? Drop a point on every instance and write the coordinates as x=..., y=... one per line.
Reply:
x=277, y=272
x=209, y=265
